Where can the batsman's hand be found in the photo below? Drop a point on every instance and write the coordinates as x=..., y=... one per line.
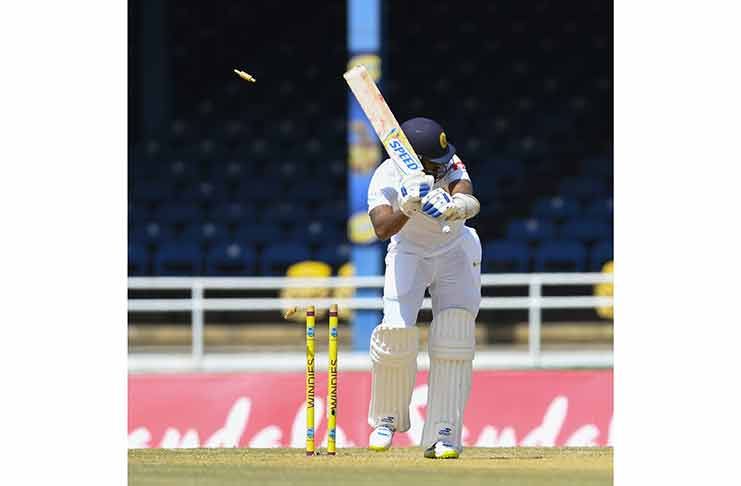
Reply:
x=413, y=188
x=439, y=205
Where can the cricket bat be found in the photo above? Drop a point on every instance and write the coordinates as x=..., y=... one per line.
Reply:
x=384, y=122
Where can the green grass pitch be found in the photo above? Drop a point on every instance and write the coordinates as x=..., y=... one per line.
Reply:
x=268, y=467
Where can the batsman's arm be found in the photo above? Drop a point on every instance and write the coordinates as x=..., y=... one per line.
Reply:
x=460, y=186
x=467, y=205
x=387, y=221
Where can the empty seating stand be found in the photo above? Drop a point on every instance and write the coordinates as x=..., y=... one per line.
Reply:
x=277, y=258
x=561, y=256
x=241, y=181
x=530, y=230
x=335, y=255
x=505, y=256
x=138, y=259
x=178, y=258
x=585, y=230
x=556, y=208
x=601, y=253
x=231, y=259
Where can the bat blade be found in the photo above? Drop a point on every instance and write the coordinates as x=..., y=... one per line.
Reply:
x=384, y=122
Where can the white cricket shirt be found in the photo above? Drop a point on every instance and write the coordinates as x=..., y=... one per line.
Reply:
x=421, y=235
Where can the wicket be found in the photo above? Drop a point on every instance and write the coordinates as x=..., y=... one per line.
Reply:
x=310, y=382
x=331, y=381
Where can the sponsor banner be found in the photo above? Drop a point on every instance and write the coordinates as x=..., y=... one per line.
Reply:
x=506, y=408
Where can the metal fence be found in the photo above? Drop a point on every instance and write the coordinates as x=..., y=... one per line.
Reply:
x=197, y=304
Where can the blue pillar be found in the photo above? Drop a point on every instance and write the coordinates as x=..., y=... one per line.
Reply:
x=364, y=155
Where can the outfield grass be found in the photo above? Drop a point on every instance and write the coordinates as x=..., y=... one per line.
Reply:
x=268, y=467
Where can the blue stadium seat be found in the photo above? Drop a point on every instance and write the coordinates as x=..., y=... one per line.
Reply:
x=505, y=256
x=231, y=258
x=584, y=188
x=509, y=178
x=586, y=230
x=291, y=171
x=152, y=192
x=334, y=169
x=600, y=208
x=142, y=170
x=335, y=254
x=558, y=208
x=316, y=231
x=487, y=191
x=233, y=170
x=178, y=258
x=138, y=213
x=151, y=233
x=601, y=253
x=276, y=258
x=284, y=212
x=234, y=213
x=332, y=213
x=259, y=191
x=213, y=232
x=206, y=192
x=211, y=148
x=182, y=170
x=513, y=168
x=530, y=230
x=598, y=167
x=258, y=233
x=146, y=161
x=314, y=191
x=208, y=232
x=560, y=256
x=492, y=214
x=138, y=259
x=510, y=186
x=504, y=178
x=232, y=132
x=184, y=213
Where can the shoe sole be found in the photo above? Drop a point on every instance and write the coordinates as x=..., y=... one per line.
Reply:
x=378, y=448
x=444, y=455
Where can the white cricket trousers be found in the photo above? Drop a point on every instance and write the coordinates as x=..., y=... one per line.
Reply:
x=453, y=279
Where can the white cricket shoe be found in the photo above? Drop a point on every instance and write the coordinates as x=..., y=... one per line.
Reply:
x=380, y=439
x=442, y=450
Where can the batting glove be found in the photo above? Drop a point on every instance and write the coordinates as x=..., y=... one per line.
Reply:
x=413, y=188
x=439, y=205
x=466, y=206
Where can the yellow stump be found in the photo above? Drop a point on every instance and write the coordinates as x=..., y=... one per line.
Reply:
x=310, y=380
x=332, y=383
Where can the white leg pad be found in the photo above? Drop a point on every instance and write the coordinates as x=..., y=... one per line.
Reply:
x=451, y=347
x=393, y=351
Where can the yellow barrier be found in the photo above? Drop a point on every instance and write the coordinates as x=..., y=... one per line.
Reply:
x=605, y=290
x=307, y=269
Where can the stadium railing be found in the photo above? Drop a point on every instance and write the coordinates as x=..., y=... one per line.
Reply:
x=197, y=304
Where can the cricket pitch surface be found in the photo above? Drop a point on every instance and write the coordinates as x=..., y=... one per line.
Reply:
x=570, y=466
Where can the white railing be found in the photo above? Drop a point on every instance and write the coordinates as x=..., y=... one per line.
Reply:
x=197, y=304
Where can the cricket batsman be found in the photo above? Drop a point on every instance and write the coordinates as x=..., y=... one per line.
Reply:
x=409, y=210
